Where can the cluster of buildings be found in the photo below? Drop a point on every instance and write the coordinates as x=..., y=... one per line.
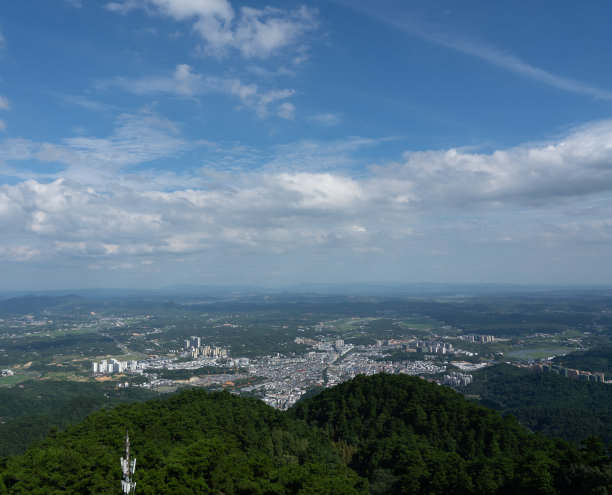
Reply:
x=456, y=379
x=195, y=348
x=430, y=347
x=114, y=366
x=483, y=339
x=570, y=373
x=281, y=380
x=285, y=378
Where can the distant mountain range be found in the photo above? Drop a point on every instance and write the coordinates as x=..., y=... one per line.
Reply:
x=356, y=289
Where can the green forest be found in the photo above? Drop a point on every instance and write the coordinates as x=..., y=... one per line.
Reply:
x=30, y=410
x=545, y=402
x=407, y=435
x=192, y=442
x=377, y=434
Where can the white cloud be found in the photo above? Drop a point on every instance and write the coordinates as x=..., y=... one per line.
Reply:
x=575, y=165
x=431, y=204
x=18, y=253
x=65, y=218
x=286, y=111
x=125, y=6
x=137, y=138
x=252, y=32
x=184, y=82
x=187, y=82
x=86, y=103
x=260, y=33
x=327, y=119
x=185, y=9
x=322, y=191
x=313, y=156
x=4, y=103
x=18, y=149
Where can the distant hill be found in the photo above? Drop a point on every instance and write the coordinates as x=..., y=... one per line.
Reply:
x=554, y=405
x=30, y=304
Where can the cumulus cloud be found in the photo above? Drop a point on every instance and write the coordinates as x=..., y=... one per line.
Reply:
x=575, y=165
x=252, y=32
x=429, y=204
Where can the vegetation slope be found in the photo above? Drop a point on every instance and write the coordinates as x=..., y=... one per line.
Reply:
x=407, y=435
x=31, y=409
x=192, y=442
x=378, y=434
x=545, y=402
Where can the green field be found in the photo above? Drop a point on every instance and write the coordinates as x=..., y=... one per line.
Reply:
x=536, y=353
x=8, y=381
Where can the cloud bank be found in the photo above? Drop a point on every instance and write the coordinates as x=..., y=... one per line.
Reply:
x=423, y=204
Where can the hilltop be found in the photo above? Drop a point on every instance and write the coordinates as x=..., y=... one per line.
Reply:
x=377, y=434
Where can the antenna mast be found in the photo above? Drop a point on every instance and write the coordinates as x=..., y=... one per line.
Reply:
x=128, y=467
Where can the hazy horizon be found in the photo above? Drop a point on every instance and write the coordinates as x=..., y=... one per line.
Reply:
x=380, y=288
x=145, y=143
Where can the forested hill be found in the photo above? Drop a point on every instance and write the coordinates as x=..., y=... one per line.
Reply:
x=192, y=442
x=395, y=434
x=554, y=405
x=407, y=435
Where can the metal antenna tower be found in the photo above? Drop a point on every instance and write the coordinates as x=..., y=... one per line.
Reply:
x=128, y=467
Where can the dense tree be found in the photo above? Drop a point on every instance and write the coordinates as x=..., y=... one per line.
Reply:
x=380, y=434
x=545, y=402
x=407, y=435
x=193, y=442
x=28, y=411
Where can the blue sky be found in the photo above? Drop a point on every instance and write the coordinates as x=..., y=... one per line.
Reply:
x=152, y=142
